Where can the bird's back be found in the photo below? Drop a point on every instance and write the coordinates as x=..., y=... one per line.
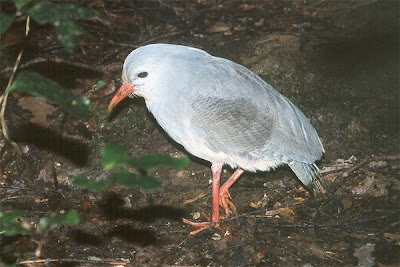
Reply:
x=239, y=114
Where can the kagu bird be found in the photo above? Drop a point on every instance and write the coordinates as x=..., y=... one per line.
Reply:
x=221, y=112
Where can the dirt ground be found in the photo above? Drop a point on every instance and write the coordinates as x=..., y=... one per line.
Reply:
x=338, y=61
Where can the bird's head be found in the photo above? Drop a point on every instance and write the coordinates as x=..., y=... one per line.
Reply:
x=139, y=67
x=151, y=70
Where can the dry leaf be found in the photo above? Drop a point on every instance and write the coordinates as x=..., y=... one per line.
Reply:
x=340, y=246
x=39, y=108
x=364, y=255
x=216, y=237
x=220, y=27
x=317, y=251
x=245, y=7
x=393, y=236
x=262, y=253
x=371, y=186
x=377, y=164
x=285, y=212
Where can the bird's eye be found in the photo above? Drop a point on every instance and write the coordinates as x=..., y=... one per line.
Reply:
x=142, y=74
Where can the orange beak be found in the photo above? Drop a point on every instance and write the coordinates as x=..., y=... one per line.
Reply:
x=123, y=92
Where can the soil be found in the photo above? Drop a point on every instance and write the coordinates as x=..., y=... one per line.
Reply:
x=338, y=61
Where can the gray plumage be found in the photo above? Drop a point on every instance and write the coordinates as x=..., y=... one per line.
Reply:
x=222, y=112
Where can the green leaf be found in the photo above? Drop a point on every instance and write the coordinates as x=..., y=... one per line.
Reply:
x=8, y=225
x=61, y=15
x=21, y=3
x=5, y=22
x=81, y=181
x=66, y=33
x=9, y=216
x=150, y=162
x=12, y=229
x=145, y=182
x=69, y=218
x=38, y=85
x=113, y=155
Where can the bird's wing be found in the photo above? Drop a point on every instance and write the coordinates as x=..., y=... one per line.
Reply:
x=231, y=125
x=235, y=111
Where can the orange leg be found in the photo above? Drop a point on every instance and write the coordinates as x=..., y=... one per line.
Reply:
x=221, y=197
x=216, y=170
x=224, y=196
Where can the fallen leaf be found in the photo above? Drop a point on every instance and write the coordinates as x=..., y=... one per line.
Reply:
x=39, y=108
x=340, y=164
x=371, y=186
x=364, y=255
x=340, y=246
x=255, y=205
x=317, y=251
x=285, y=212
x=376, y=164
x=346, y=203
x=216, y=237
x=245, y=7
x=298, y=200
x=207, y=2
x=262, y=253
x=220, y=27
x=393, y=236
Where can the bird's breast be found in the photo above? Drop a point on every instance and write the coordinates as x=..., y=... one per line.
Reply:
x=176, y=118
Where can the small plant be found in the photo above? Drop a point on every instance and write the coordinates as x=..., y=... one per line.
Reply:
x=69, y=218
x=114, y=156
x=37, y=85
x=60, y=15
x=10, y=227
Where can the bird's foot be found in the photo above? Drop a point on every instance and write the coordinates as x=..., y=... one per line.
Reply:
x=210, y=223
x=200, y=225
x=226, y=202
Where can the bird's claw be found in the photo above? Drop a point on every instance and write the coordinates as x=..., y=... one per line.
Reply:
x=226, y=203
x=200, y=225
x=203, y=225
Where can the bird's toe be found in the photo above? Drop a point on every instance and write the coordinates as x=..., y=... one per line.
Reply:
x=226, y=203
x=201, y=226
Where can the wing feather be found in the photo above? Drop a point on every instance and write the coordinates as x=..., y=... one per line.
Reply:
x=246, y=116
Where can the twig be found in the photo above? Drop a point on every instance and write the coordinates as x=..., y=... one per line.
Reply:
x=201, y=195
x=5, y=96
x=293, y=205
x=333, y=171
x=58, y=46
x=155, y=38
x=111, y=262
x=331, y=255
x=359, y=4
x=39, y=60
x=162, y=36
x=331, y=225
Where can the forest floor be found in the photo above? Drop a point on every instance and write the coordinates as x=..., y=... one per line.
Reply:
x=338, y=61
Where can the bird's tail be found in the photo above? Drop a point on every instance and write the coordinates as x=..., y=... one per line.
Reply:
x=310, y=176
